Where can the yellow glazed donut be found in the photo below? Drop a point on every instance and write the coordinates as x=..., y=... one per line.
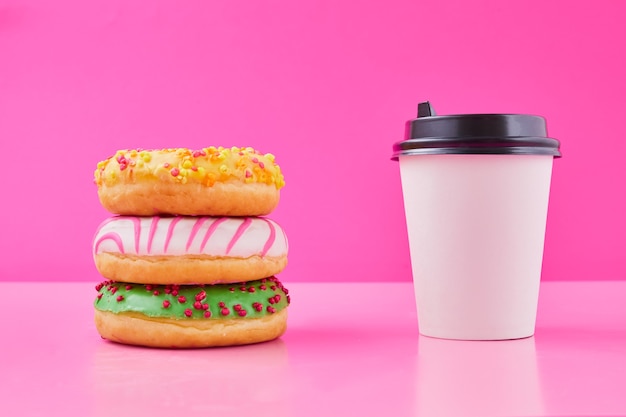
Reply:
x=205, y=182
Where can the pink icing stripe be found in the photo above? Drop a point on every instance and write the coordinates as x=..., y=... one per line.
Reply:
x=270, y=239
x=109, y=220
x=210, y=231
x=137, y=226
x=153, y=226
x=242, y=228
x=170, y=231
x=194, y=231
x=110, y=236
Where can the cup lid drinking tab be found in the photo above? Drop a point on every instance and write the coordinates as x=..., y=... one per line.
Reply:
x=514, y=134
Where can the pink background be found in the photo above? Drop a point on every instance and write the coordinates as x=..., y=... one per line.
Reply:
x=326, y=86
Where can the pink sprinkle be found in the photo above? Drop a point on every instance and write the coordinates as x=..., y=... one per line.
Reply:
x=288, y=300
x=166, y=304
x=263, y=287
x=221, y=304
x=259, y=307
x=271, y=300
x=182, y=299
x=167, y=290
x=198, y=153
x=156, y=292
x=120, y=298
x=277, y=298
x=205, y=306
x=225, y=311
x=242, y=288
x=99, y=296
x=194, y=168
x=99, y=286
x=197, y=305
x=237, y=307
x=251, y=289
x=113, y=290
x=207, y=314
x=188, y=312
x=149, y=287
x=271, y=309
x=231, y=289
x=122, y=161
x=261, y=165
x=248, y=174
x=242, y=313
x=201, y=296
x=174, y=293
x=255, y=160
x=166, y=165
x=174, y=172
x=129, y=287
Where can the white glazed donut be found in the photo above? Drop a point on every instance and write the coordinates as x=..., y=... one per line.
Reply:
x=189, y=250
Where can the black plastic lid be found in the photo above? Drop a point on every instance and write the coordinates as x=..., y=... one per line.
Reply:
x=511, y=134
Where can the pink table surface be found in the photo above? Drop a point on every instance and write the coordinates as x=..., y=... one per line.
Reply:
x=351, y=349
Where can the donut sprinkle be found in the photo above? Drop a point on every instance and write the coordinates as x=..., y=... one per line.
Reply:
x=197, y=302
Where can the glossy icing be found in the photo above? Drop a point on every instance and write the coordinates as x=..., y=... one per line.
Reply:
x=252, y=299
x=240, y=237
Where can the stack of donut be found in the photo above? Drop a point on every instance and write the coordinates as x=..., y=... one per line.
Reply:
x=188, y=261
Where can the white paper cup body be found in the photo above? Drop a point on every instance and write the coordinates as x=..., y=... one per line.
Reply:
x=476, y=228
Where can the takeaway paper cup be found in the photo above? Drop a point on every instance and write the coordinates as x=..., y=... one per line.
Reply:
x=476, y=190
